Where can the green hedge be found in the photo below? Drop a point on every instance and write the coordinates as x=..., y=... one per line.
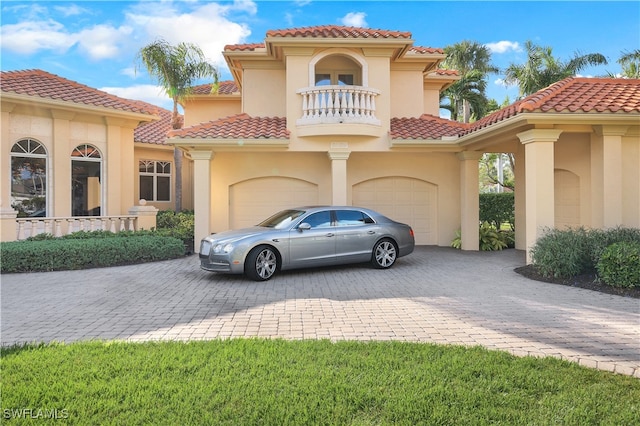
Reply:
x=79, y=253
x=619, y=265
x=570, y=252
x=497, y=208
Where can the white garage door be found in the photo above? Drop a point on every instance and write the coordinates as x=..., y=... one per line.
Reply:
x=407, y=200
x=252, y=201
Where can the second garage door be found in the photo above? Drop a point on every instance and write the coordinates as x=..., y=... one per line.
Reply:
x=407, y=200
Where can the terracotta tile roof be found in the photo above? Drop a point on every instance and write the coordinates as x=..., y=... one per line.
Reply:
x=571, y=95
x=224, y=88
x=425, y=127
x=42, y=84
x=422, y=49
x=154, y=132
x=442, y=71
x=241, y=126
x=335, y=31
x=242, y=47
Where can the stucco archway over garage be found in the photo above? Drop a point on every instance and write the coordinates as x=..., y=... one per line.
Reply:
x=251, y=201
x=407, y=200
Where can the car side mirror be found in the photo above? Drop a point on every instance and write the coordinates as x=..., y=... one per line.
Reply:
x=304, y=227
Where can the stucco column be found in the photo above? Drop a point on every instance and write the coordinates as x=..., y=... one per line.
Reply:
x=59, y=197
x=520, y=194
x=606, y=170
x=469, y=199
x=202, y=195
x=339, y=177
x=539, y=182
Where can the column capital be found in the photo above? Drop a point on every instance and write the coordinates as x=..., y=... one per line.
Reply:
x=539, y=135
x=469, y=155
x=611, y=130
x=201, y=155
x=339, y=155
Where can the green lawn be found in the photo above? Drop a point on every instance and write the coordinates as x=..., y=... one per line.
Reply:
x=277, y=382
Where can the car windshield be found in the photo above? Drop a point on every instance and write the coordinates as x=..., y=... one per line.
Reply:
x=282, y=219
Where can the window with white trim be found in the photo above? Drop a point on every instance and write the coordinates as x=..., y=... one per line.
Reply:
x=155, y=180
x=86, y=181
x=29, y=178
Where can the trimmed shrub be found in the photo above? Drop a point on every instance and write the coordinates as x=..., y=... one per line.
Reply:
x=619, y=265
x=178, y=225
x=570, y=252
x=562, y=253
x=67, y=253
x=497, y=208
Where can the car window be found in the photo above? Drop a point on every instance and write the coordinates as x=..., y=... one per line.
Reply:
x=352, y=218
x=282, y=219
x=319, y=220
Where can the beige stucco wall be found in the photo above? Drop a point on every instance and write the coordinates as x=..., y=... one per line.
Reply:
x=201, y=110
x=406, y=101
x=631, y=181
x=264, y=93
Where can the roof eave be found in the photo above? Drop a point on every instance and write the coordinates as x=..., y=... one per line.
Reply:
x=76, y=107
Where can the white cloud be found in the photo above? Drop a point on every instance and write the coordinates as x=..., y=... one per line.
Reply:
x=504, y=46
x=29, y=37
x=71, y=10
x=144, y=92
x=103, y=41
x=354, y=19
x=209, y=27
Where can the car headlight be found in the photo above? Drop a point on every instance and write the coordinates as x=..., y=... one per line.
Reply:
x=222, y=248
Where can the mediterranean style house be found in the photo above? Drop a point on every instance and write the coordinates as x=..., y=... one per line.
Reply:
x=344, y=116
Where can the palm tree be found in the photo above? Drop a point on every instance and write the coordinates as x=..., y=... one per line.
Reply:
x=473, y=61
x=543, y=69
x=466, y=97
x=630, y=63
x=177, y=68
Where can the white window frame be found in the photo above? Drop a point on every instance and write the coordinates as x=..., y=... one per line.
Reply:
x=155, y=174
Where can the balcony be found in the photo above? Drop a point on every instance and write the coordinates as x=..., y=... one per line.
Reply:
x=338, y=105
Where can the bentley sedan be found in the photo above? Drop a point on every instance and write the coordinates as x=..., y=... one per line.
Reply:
x=308, y=237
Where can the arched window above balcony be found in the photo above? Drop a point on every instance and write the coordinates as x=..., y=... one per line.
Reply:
x=338, y=67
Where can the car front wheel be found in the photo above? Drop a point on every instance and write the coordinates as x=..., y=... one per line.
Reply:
x=384, y=254
x=261, y=263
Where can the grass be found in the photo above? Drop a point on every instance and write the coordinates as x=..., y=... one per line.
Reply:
x=277, y=382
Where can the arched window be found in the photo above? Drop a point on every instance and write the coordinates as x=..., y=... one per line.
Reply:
x=29, y=178
x=86, y=181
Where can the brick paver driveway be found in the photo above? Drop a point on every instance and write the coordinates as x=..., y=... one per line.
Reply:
x=434, y=295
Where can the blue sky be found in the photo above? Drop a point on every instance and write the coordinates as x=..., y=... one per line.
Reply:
x=95, y=42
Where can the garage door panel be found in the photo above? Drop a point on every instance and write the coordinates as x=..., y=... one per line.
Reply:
x=407, y=200
x=252, y=201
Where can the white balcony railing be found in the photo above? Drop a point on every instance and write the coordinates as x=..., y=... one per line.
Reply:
x=59, y=226
x=338, y=104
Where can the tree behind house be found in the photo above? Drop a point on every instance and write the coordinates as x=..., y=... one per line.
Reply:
x=177, y=69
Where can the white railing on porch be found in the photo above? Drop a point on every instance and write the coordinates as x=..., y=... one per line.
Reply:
x=338, y=104
x=59, y=226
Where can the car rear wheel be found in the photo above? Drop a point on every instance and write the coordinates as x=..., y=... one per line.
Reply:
x=384, y=254
x=261, y=263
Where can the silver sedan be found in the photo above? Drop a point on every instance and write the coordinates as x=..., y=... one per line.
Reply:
x=308, y=237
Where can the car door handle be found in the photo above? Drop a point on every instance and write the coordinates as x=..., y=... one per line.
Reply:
x=330, y=234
